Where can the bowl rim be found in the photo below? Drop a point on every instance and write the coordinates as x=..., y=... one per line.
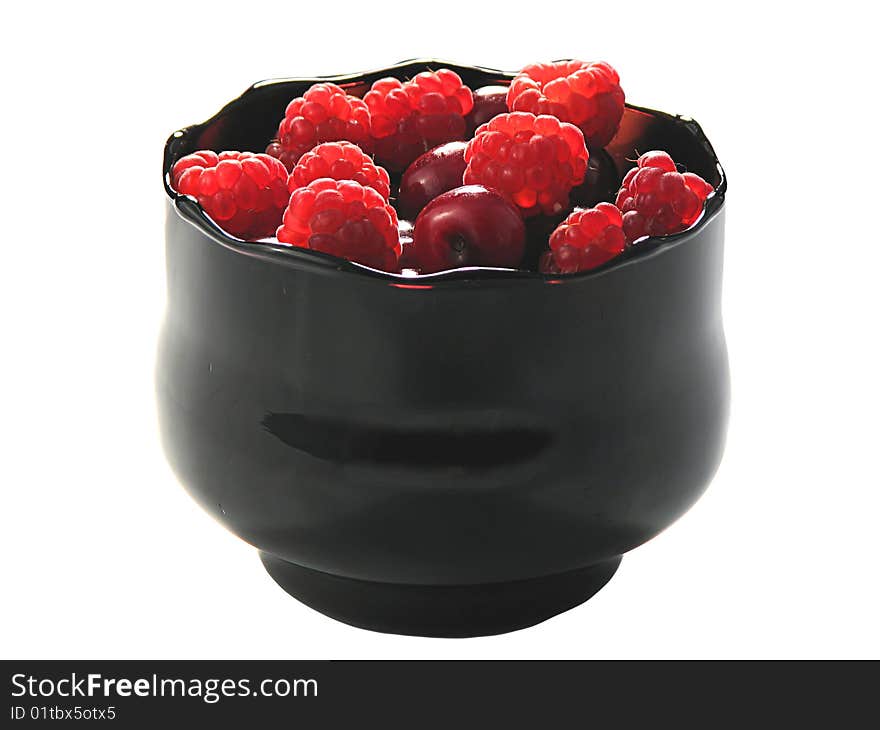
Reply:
x=189, y=209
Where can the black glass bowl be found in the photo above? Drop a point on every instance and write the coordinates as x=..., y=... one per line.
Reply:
x=459, y=454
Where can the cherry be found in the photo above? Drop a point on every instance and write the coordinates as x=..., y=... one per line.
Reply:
x=489, y=101
x=600, y=184
x=433, y=173
x=468, y=226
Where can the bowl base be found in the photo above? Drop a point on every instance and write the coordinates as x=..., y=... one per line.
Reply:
x=439, y=610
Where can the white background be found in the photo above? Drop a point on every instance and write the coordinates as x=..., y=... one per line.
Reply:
x=103, y=553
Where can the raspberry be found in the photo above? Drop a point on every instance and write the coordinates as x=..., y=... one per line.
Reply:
x=535, y=161
x=340, y=161
x=325, y=113
x=585, y=240
x=586, y=94
x=243, y=192
x=343, y=218
x=410, y=118
x=656, y=199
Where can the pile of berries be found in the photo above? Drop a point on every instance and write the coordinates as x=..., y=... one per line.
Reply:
x=470, y=172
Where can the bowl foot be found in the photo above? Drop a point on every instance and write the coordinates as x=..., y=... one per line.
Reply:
x=431, y=610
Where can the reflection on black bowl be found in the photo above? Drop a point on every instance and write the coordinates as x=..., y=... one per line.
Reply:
x=464, y=453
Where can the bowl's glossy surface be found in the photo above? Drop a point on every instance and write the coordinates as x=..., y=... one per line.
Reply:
x=464, y=453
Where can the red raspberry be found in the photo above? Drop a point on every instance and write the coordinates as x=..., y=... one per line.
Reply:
x=655, y=199
x=340, y=161
x=535, y=161
x=325, y=113
x=343, y=218
x=585, y=94
x=243, y=192
x=413, y=117
x=585, y=240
